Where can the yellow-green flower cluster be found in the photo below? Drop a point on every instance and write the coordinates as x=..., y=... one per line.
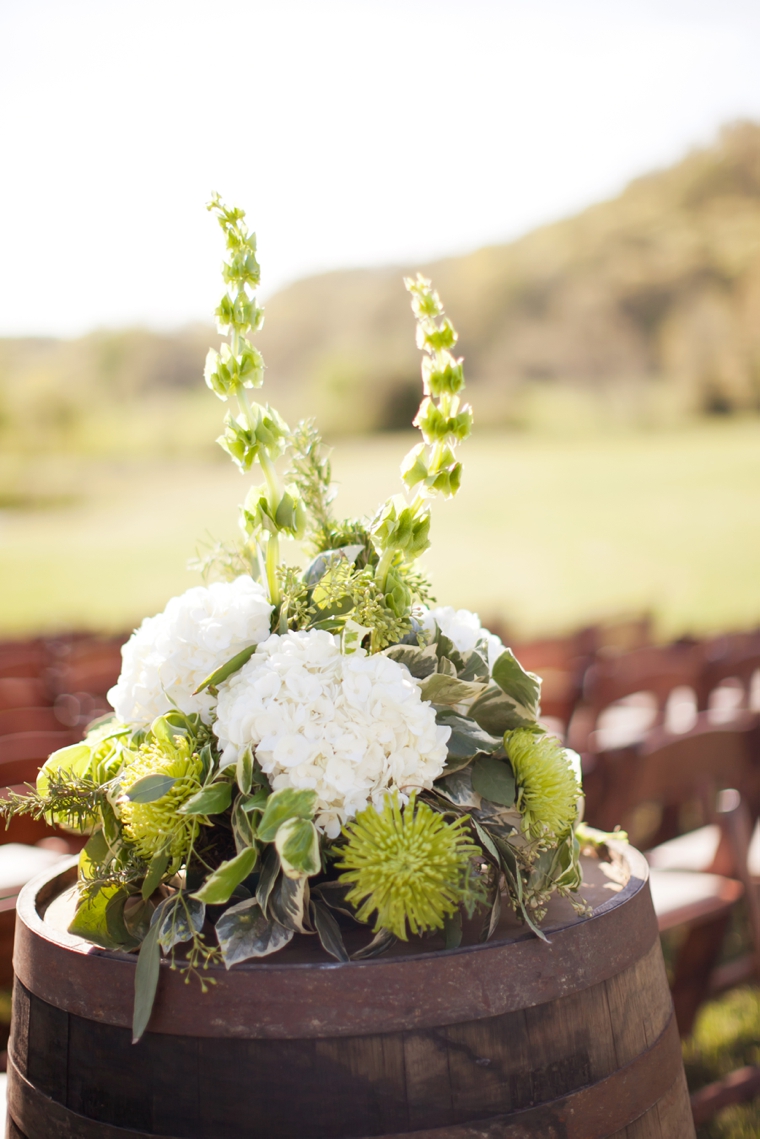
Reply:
x=158, y=826
x=408, y=866
x=547, y=786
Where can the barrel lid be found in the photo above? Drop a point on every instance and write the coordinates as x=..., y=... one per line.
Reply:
x=301, y=993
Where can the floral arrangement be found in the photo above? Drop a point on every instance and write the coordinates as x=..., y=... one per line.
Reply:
x=319, y=751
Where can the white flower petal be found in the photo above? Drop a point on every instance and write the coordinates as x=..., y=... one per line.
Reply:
x=166, y=659
x=351, y=728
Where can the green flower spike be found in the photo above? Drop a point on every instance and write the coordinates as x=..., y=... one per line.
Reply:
x=547, y=787
x=410, y=866
x=158, y=826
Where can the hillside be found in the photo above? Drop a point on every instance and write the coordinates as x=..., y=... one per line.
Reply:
x=652, y=299
x=647, y=306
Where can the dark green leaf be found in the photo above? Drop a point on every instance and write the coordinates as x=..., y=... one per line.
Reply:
x=457, y=788
x=156, y=870
x=150, y=788
x=486, y=840
x=244, y=770
x=452, y=930
x=445, y=647
x=122, y=931
x=420, y=662
x=111, y=826
x=297, y=844
x=494, y=780
x=146, y=981
x=497, y=713
x=255, y=802
x=183, y=918
x=242, y=829
x=136, y=916
x=382, y=940
x=475, y=667
x=523, y=687
x=211, y=800
x=270, y=868
x=234, y=664
x=467, y=737
x=333, y=894
x=288, y=902
x=328, y=931
x=286, y=804
x=514, y=877
x=218, y=887
x=243, y=932
x=442, y=689
x=493, y=919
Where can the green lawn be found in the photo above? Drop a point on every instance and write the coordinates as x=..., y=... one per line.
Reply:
x=545, y=534
x=726, y=1037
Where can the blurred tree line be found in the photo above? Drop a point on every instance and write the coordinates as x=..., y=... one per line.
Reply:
x=642, y=310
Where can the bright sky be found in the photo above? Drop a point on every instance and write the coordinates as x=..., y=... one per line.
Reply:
x=354, y=132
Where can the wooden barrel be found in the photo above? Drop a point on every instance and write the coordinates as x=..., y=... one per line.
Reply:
x=510, y=1039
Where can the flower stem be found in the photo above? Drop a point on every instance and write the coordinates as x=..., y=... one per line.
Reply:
x=273, y=560
x=381, y=573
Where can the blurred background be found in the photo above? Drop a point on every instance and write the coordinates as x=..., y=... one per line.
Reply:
x=582, y=182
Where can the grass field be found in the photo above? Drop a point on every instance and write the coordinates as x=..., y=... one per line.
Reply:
x=546, y=533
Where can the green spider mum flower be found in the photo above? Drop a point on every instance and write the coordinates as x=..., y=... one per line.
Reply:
x=547, y=786
x=158, y=826
x=409, y=866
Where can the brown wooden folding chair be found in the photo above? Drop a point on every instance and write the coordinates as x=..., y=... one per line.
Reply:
x=679, y=778
x=22, y=692
x=625, y=697
x=561, y=662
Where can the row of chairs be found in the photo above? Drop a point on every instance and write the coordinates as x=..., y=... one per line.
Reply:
x=669, y=738
x=50, y=689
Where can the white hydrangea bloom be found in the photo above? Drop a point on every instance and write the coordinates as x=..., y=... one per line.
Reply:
x=348, y=727
x=166, y=659
x=463, y=628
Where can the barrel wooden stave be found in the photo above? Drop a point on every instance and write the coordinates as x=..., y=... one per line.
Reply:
x=390, y=1084
x=594, y=1063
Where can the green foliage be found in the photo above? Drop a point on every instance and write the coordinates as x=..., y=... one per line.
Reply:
x=282, y=806
x=311, y=472
x=726, y=1037
x=244, y=931
x=220, y=884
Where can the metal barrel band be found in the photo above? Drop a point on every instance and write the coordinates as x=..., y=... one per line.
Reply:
x=596, y=1111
